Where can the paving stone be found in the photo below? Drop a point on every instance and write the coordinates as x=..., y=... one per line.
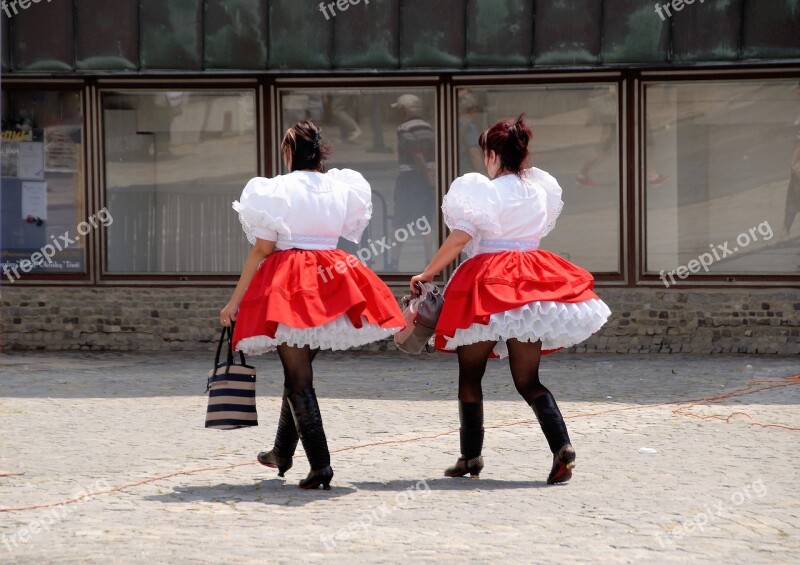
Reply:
x=73, y=423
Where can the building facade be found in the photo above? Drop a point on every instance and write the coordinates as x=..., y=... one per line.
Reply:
x=129, y=127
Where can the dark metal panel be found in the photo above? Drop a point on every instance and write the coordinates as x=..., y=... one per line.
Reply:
x=771, y=29
x=171, y=34
x=42, y=37
x=107, y=39
x=4, y=55
x=634, y=33
x=710, y=31
x=432, y=33
x=236, y=34
x=300, y=37
x=499, y=32
x=567, y=33
x=365, y=35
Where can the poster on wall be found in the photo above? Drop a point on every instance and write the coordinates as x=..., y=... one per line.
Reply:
x=34, y=200
x=30, y=160
x=61, y=148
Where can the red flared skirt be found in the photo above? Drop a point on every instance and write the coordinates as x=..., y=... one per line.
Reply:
x=297, y=290
x=527, y=295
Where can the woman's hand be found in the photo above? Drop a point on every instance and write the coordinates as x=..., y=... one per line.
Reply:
x=420, y=278
x=449, y=250
x=228, y=314
x=260, y=250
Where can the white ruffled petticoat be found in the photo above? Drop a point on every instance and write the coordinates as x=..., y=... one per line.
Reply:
x=336, y=335
x=557, y=324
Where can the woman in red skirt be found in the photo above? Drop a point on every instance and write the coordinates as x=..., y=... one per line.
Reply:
x=509, y=298
x=298, y=294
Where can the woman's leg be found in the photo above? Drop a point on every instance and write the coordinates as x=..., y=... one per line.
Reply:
x=524, y=363
x=286, y=436
x=299, y=377
x=471, y=367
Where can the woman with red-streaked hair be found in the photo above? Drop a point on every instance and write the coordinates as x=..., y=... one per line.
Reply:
x=509, y=299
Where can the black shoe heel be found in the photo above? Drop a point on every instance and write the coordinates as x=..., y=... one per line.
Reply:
x=464, y=466
x=316, y=478
x=563, y=463
x=269, y=459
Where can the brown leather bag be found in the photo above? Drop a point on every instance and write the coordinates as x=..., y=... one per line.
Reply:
x=420, y=313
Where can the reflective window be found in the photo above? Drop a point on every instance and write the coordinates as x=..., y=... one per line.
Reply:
x=389, y=136
x=575, y=138
x=42, y=194
x=723, y=177
x=174, y=162
x=42, y=35
x=171, y=34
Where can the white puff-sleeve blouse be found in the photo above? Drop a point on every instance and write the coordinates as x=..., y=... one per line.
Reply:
x=507, y=213
x=306, y=210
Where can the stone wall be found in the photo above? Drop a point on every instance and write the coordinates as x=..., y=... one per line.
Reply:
x=185, y=319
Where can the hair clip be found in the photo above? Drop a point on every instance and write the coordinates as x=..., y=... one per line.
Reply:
x=317, y=139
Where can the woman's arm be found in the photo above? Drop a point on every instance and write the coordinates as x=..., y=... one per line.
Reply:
x=447, y=253
x=261, y=249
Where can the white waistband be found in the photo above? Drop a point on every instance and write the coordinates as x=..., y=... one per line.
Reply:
x=497, y=245
x=299, y=241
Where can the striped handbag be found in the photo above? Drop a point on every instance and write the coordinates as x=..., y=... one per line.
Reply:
x=231, y=390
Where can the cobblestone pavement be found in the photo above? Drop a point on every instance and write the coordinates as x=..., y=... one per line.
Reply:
x=716, y=488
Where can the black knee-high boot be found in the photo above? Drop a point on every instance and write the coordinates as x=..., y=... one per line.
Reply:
x=308, y=421
x=555, y=430
x=286, y=439
x=470, y=415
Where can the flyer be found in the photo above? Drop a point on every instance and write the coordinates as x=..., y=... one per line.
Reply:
x=30, y=161
x=34, y=200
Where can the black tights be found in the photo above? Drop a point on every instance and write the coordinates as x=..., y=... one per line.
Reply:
x=523, y=360
x=297, y=372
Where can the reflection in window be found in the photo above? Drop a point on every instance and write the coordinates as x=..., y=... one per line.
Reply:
x=730, y=154
x=42, y=182
x=387, y=135
x=575, y=138
x=174, y=162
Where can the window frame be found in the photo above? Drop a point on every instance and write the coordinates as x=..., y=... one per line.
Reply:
x=632, y=104
x=623, y=275
x=645, y=278
x=443, y=118
x=220, y=85
x=18, y=84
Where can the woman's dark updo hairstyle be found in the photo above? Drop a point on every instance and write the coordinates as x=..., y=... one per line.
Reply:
x=509, y=139
x=304, y=143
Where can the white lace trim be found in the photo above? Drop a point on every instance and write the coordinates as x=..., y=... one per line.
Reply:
x=557, y=324
x=553, y=191
x=336, y=335
x=260, y=224
x=552, y=223
x=357, y=231
x=469, y=211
